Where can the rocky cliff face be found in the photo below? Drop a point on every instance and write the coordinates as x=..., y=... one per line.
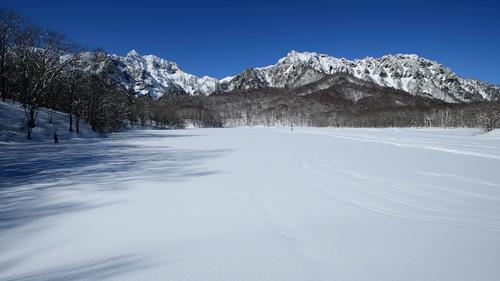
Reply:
x=410, y=73
x=154, y=76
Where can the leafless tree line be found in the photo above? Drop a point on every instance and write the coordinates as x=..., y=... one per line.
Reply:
x=272, y=108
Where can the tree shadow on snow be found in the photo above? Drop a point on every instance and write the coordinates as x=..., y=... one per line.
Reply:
x=92, y=270
x=31, y=173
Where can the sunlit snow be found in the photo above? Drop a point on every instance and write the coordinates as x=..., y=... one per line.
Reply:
x=253, y=204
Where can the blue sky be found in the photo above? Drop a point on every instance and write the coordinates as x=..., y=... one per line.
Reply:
x=220, y=38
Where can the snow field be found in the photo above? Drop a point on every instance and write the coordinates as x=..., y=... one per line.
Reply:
x=254, y=204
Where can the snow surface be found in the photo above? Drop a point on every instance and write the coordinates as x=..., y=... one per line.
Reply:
x=13, y=124
x=253, y=204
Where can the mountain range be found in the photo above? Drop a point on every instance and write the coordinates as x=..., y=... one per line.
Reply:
x=154, y=76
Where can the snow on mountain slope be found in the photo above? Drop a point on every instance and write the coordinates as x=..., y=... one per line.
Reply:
x=410, y=73
x=156, y=76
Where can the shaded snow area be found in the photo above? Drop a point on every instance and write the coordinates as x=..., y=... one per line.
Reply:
x=253, y=204
x=13, y=125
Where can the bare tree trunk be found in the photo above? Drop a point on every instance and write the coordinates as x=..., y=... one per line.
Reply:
x=51, y=116
x=3, y=88
x=71, y=122
x=77, y=124
x=31, y=113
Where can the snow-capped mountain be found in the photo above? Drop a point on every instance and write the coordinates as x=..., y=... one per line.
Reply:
x=410, y=73
x=154, y=76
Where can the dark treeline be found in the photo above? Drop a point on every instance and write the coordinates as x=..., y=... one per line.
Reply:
x=276, y=107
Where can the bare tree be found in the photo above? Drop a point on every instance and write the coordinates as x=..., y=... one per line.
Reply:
x=38, y=64
x=489, y=119
x=9, y=29
x=73, y=96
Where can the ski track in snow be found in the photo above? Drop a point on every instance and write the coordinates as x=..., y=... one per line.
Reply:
x=420, y=145
x=428, y=213
x=378, y=188
x=253, y=204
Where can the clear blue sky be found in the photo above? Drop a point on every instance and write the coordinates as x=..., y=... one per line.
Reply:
x=220, y=38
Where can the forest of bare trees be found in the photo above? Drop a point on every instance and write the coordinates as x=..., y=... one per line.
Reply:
x=273, y=107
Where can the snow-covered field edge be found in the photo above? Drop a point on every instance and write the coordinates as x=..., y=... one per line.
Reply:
x=49, y=121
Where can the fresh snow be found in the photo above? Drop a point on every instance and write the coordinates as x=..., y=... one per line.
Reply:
x=13, y=124
x=408, y=72
x=253, y=204
x=154, y=76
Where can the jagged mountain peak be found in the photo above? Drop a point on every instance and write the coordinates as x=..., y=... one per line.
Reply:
x=295, y=56
x=155, y=76
x=407, y=72
x=133, y=53
x=152, y=61
x=403, y=56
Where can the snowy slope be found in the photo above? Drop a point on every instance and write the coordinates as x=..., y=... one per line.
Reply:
x=13, y=122
x=410, y=73
x=254, y=204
